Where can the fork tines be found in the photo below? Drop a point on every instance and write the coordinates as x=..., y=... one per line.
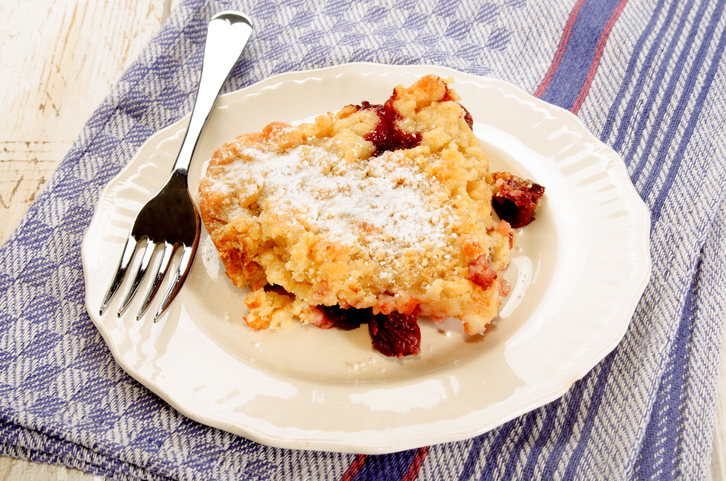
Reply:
x=158, y=275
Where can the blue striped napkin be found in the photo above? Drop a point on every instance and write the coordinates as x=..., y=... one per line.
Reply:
x=648, y=77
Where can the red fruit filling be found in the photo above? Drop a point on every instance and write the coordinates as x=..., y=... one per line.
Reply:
x=346, y=319
x=515, y=199
x=467, y=117
x=481, y=273
x=387, y=136
x=395, y=334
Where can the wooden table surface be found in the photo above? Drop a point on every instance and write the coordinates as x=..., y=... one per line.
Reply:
x=59, y=60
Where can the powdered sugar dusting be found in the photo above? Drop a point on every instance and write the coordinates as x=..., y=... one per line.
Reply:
x=382, y=201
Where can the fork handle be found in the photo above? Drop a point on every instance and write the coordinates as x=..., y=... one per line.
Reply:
x=227, y=35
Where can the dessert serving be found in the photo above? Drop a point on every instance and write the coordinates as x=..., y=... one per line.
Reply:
x=329, y=389
x=375, y=214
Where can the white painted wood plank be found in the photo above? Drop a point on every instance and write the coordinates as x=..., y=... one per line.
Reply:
x=60, y=59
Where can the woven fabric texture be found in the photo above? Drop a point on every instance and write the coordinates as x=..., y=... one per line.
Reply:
x=648, y=77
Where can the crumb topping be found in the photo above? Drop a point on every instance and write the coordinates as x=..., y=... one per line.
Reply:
x=381, y=204
x=385, y=208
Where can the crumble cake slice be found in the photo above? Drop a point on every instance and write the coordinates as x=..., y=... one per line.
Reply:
x=384, y=208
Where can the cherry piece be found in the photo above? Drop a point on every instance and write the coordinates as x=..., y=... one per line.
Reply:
x=387, y=136
x=515, y=199
x=346, y=319
x=395, y=334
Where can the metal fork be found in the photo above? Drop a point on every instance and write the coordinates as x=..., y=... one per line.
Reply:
x=170, y=218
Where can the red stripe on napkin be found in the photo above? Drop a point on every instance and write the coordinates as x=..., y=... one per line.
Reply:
x=354, y=467
x=598, y=54
x=415, y=467
x=560, y=49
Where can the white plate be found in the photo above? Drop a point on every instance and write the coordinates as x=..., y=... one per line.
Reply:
x=577, y=271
